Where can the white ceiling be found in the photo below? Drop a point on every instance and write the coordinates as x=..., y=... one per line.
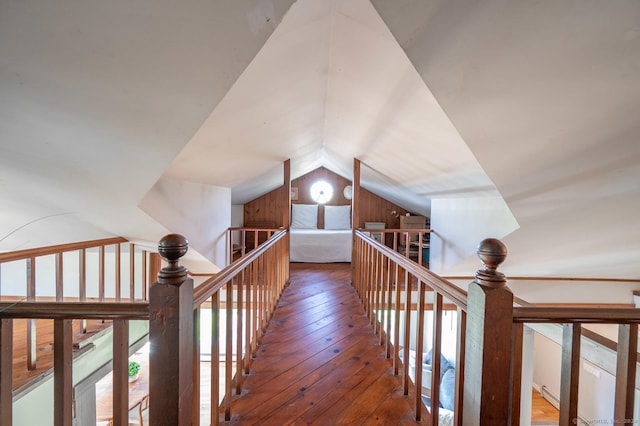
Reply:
x=332, y=84
x=534, y=101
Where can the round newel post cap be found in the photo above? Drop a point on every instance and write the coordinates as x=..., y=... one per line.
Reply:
x=172, y=247
x=492, y=252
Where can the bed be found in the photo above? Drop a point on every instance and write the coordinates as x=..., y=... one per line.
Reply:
x=312, y=245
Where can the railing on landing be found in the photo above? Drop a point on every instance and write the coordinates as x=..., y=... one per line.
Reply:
x=489, y=335
x=251, y=286
x=247, y=289
x=78, y=272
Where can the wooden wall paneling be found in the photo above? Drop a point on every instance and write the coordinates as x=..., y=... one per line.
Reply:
x=376, y=209
x=268, y=208
x=271, y=207
x=303, y=183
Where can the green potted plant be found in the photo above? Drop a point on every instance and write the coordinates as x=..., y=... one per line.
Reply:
x=134, y=370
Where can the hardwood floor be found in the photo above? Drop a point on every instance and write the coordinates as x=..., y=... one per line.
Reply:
x=320, y=362
x=542, y=412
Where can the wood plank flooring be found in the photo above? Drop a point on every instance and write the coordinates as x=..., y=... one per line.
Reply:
x=320, y=362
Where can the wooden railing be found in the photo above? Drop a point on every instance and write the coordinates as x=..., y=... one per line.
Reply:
x=489, y=335
x=242, y=240
x=389, y=285
x=45, y=269
x=249, y=289
x=62, y=314
x=412, y=243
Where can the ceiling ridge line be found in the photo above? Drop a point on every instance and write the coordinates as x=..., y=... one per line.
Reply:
x=332, y=22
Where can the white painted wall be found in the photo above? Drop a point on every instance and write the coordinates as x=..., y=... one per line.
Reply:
x=597, y=386
x=460, y=224
x=200, y=212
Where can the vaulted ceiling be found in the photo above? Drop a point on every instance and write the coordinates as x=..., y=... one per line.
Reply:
x=533, y=102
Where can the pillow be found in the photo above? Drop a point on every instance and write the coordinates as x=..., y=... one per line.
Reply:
x=304, y=216
x=448, y=389
x=445, y=364
x=337, y=217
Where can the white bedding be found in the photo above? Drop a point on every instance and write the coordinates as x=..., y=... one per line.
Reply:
x=320, y=245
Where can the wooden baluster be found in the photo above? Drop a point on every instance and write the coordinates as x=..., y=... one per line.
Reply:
x=215, y=358
x=6, y=371
x=239, y=331
x=32, y=348
x=82, y=284
x=460, y=354
x=144, y=275
x=171, y=338
x=625, y=372
x=132, y=272
x=489, y=325
x=101, y=274
x=422, y=289
x=230, y=239
x=436, y=351
x=389, y=305
x=118, y=275
x=228, y=359
x=407, y=335
x=155, y=265
x=396, y=324
x=120, y=377
x=248, y=329
x=196, y=367
x=59, y=278
x=255, y=329
x=62, y=372
x=261, y=310
x=377, y=323
x=570, y=373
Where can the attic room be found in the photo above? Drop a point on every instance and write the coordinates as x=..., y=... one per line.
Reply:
x=501, y=119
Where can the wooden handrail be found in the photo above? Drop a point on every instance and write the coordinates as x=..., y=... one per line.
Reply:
x=532, y=278
x=572, y=315
x=440, y=285
x=242, y=228
x=205, y=290
x=75, y=310
x=60, y=248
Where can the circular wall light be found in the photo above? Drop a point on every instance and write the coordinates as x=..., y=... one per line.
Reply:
x=321, y=192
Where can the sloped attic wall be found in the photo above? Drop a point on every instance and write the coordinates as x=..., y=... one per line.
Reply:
x=202, y=213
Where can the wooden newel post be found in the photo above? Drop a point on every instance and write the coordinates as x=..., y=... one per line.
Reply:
x=171, y=338
x=488, y=341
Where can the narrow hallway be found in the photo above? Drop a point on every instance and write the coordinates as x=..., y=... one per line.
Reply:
x=320, y=362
